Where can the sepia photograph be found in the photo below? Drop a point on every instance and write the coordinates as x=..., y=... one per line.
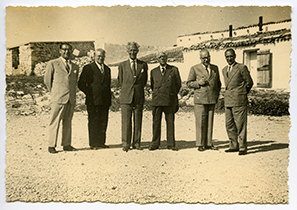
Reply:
x=148, y=106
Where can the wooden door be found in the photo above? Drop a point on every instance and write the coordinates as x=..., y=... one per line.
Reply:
x=264, y=69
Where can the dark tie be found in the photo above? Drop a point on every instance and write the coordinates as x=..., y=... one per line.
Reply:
x=133, y=68
x=228, y=71
x=206, y=70
x=67, y=66
x=163, y=70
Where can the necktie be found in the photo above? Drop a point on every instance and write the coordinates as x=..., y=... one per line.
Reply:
x=206, y=70
x=229, y=70
x=102, y=68
x=163, y=70
x=67, y=66
x=133, y=68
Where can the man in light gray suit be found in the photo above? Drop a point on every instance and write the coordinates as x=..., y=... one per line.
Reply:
x=61, y=79
x=204, y=78
x=238, y=84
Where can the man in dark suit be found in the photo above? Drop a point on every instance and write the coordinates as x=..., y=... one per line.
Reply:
x=165, y=84
x=238, y=84
x=95, y=81
x=204, y=78
x=60, y=79
x=132, y=79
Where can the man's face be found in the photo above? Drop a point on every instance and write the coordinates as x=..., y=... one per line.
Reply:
x=162, y=59
x=132, y=51
x=99, y=57
x=65, y=51
x=205, y=58
x=230, y=57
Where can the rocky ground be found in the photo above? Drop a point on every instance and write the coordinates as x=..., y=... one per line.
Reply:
x=113, y=176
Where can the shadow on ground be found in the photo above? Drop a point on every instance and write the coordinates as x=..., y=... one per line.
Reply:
x=253, y=147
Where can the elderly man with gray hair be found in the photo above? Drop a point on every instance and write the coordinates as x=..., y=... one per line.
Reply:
x=165, y=84
x=132, y=78
x=204, y=78
x=95, y=81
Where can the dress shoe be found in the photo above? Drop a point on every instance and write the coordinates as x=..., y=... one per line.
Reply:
x=69, y=148
x=137, y=147
x=211, y=147
x=94, y=148
x=125, y=149
x=201, y=149
x=103, y=146
x=172, y=148
x=151, y=148
x=52, y=150
x=232, y=150
x=242, y=153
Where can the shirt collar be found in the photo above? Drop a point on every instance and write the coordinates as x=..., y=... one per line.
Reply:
x=133, y=60
x=99, y=65
x=163, y=66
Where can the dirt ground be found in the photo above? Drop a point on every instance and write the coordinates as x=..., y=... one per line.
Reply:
x=113, y=176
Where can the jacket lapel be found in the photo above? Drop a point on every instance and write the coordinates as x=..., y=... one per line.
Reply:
x=233, y=72
x=203, y=71
x=167, y=73
x=62, y=65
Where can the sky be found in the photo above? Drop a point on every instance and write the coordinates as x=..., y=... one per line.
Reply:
x=156, y=26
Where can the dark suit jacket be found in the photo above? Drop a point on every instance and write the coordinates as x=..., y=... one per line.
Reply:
x=238, y=85
x=208, y=93
x=165, y=88
x=95, y=85
x=60, y=82
x=132, y=87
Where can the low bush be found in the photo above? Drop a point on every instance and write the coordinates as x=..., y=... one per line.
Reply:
x=261, y=101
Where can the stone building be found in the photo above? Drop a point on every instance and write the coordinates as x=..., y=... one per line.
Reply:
x=22, y=59
x=265, y=52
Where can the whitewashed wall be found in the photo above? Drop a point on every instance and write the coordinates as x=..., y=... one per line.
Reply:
x=281, y=62
x=188, y=41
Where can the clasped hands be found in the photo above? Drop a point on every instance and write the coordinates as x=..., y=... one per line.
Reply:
x=202, y=81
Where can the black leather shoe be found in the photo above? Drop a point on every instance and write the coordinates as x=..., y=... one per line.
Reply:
x=103, y=146
x=125, y=149
x=52, y=150
x=211, y=148
x=201, y=149
x=242, y=153
x=151, y=148
x=94, y=148
x=138, y=148
x=232, y=150
x=172, y=148
x=69, y=148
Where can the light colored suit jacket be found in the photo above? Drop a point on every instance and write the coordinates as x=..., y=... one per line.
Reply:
x=165, y=88
x=238, y=84
x=132, y=87
x=208, y=93
x=60, y=82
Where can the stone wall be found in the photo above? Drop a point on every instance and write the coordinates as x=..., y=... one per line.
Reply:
x=12, y=60
x=25, y=59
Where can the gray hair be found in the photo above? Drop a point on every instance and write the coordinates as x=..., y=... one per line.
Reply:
x=131, y=44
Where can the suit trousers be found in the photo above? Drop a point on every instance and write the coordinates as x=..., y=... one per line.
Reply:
x=128, y=111
x=64, y=113
x=97, y=124
x=169, y=117
x=236, y=126
x=204, y=114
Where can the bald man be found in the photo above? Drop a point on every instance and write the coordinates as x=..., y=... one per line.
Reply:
x=204, y=78
x=95, y=81
x=132, y=79
x=165, y=84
